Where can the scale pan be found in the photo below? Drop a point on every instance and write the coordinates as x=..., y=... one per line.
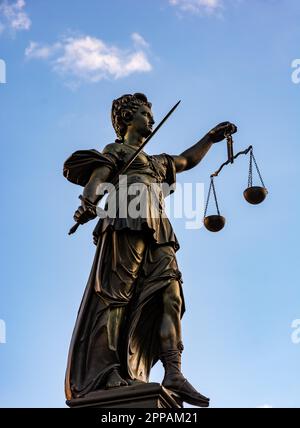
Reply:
x=255, y=195
x=214, y=223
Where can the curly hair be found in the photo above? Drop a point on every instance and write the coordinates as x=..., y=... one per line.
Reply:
x=123, y=109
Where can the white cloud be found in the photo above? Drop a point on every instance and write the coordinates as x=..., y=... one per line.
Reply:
x=87, y=58
x=13, y=16
x=139, y=40
x=197, y=6
x=36, y=50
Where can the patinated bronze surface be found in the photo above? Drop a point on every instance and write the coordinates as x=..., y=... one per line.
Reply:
x=130, y=315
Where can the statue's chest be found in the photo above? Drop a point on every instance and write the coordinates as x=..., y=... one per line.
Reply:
x=143, y=164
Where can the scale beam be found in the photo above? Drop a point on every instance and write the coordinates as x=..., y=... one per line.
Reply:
x=230, y=159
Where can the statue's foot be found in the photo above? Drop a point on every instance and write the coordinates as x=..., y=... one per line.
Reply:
x=178, y=384
x=114, y=380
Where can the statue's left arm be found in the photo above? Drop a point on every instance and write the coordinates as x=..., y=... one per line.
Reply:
x=193, y=155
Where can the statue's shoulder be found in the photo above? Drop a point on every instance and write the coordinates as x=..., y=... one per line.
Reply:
x=116, y=149
x=110, y=148
x=81, y=164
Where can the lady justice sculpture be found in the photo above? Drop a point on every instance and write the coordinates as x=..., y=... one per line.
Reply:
x=130, y=314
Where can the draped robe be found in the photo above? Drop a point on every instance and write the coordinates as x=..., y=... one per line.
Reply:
x=119, y=317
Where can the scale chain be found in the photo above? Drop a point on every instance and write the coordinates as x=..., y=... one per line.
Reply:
x=258, y=171
x=207, y=200
x=212, y=186
x=250, y=170
x=250, y=176
x=215, y=195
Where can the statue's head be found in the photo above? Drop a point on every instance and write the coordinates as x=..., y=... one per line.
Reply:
x=123, y=111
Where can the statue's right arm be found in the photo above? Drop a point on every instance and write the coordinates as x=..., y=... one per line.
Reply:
x=99, y=176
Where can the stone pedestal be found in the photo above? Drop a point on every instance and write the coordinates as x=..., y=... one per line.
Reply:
x=146, y=395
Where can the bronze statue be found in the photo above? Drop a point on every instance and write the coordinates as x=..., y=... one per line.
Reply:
x=130, y=314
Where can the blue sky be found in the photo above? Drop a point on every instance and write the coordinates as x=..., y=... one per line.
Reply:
x=226, y=60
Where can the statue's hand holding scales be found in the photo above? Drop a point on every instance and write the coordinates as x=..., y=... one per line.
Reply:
x=219, y=132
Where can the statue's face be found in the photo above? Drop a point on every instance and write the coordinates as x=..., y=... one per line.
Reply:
x=143, y=121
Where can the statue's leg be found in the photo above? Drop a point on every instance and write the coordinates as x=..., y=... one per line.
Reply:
x=114, y=324
x=170, y=332
x=123, y=268
x=172, y=347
